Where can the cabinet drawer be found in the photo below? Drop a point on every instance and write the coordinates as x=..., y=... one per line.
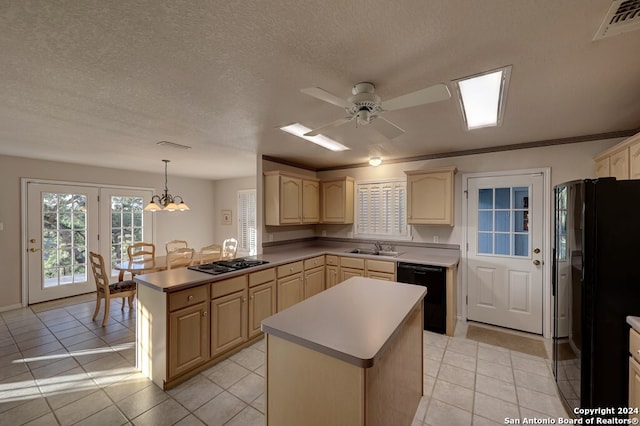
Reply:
x=634, y=344
x=289, y=269
x=262, y=277
x=191, y=296
x=331, y=260
x=352, y=262
x=381, y=266
x=314, y=262
x=222, y=288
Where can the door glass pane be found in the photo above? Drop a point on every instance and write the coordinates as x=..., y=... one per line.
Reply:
x=126, y=226
x=503, y=221
x=64, y=233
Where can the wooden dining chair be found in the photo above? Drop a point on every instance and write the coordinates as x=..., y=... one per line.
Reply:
x=180, y=258
x=141, y=251
x=106, y=291
x=229, y=248
x=175, y=244
x=210, y=253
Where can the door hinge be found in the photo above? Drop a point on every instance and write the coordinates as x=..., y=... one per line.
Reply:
x=98, y=237
x=467, y=246
x=98, y=198
x=466, y=194
x=467, y=297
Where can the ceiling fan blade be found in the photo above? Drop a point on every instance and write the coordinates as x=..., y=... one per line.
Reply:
x=336, y=123
x=436, y=93
x=386, y=128
x=323, y=95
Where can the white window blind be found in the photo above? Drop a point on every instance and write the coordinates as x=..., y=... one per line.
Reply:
x=381, y=209
x=247, y=233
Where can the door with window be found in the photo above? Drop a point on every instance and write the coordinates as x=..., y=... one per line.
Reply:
x=65, y=222
x=504, y=255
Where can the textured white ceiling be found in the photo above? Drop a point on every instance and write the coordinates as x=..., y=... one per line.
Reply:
x=100, y=82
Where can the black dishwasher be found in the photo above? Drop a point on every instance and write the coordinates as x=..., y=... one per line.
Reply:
x=434, y=278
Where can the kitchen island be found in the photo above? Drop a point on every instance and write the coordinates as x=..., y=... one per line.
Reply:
x=350, y=355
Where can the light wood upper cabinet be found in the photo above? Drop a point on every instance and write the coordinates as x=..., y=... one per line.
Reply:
x=337, y=200
x=634, y=160
x=310, y=201
x=290, y=199
x=430, y=195
x=621, y=161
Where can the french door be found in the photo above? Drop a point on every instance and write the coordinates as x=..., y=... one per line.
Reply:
x=505, y=236
x=66, y=221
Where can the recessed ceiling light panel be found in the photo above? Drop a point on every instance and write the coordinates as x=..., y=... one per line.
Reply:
x=299, y=130
x=482, y=97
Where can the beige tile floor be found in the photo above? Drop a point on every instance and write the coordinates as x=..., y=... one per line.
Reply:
x=59, y=367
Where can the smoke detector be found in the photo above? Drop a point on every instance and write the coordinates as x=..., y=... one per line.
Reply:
x=623, y=16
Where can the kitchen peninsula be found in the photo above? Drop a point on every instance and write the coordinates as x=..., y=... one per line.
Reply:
x=189, y=320
x=351, y=355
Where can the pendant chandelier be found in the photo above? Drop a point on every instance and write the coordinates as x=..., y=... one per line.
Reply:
x=166, y=201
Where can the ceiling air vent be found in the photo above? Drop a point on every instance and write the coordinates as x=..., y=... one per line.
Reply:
x=623, y=16
x=172, y=145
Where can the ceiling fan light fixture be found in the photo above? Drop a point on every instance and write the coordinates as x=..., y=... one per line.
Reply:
x=482, y=97
x=375, y=161
x=299, y=130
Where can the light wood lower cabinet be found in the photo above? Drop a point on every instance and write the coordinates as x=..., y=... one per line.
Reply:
x=380, y=269
x=331, y=276
x=314, y=281
x=290, y=285
x=634, y=372
x=228, y=322
x=262, y=299
x=188, y=338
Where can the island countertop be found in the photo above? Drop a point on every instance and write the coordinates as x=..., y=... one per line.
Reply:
x=353, y=321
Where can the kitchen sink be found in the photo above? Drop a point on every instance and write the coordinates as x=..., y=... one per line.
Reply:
x=373, y=252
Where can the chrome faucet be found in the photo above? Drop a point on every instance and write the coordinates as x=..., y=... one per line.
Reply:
x=378, y=246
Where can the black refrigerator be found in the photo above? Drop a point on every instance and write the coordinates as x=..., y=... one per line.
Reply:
x=596, y=284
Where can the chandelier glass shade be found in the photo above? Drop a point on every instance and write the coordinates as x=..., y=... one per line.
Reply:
x=166, y=201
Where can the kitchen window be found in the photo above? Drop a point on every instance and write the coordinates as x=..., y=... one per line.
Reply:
x=247, y=234
x=381, y=209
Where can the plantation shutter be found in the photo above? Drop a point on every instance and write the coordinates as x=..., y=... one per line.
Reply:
x=382, y=209
x=247, y=232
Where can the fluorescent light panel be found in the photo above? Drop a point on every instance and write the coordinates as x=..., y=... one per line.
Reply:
x=482, y=97
x=299, y=130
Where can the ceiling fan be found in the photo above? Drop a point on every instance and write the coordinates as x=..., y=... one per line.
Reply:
x=365, y=107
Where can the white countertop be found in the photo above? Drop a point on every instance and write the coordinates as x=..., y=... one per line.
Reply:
x=182, y=278
x=352, y=321
x=634, y=322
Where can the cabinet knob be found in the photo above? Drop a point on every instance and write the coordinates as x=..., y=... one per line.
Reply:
x=204, y=314
x=290, y=269
x=190, y=298
x=244, y=299
x=251, y=297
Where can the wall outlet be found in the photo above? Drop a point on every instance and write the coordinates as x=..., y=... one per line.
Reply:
x=270, y=237
x=1, y=226
x=324, y=233
x=436, y=239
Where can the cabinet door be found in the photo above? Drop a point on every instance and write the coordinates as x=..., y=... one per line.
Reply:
x=262, y=304
x=310, y=201
x=602, y=167
x=634, y=161
x=290, y=291
x=332, y=276
x=430, y=198
x=313, y=281
x=619, y=164
x=290, y=200
x=333, y=202
x=188, y=338
x=346, y=273
x=634, y=386
x=228, y=322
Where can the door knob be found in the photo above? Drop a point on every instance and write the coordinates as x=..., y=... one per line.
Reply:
x=33, y=240
x=536, y=250
x=33, y=250
x=536, y=262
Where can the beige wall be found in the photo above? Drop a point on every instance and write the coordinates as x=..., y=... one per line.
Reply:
x=567, y=162
x=227, y=199
x=194, y=226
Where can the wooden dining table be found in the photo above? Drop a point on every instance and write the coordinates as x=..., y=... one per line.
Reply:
x=139, y=267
